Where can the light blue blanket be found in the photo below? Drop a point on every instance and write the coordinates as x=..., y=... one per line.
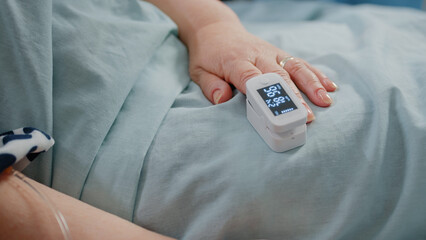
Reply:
x=136, y=138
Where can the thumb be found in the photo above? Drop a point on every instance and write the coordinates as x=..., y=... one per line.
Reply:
x=241, y=72
x=214, y=88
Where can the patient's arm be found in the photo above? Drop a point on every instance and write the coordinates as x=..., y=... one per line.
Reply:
x=23, y=215
x=222, y=52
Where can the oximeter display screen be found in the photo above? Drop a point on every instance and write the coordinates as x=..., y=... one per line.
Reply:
x=277, y=99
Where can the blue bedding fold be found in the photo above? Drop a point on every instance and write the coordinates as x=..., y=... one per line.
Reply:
x=76, y=67
x=360, y=174
x=108, y=80
x=108, y=100
x=26, y=72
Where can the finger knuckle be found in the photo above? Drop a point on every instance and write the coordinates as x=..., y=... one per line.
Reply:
x=313, y=83
x=282, y=73
x=296, y=66
x=194, y=74
x=246, y=75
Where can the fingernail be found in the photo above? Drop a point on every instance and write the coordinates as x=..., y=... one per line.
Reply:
x=311, y=115
x=217, y=95
x=334, y=85
x=325, y=98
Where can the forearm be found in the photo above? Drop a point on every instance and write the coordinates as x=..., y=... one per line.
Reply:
x=23, y=215
x=192, y=15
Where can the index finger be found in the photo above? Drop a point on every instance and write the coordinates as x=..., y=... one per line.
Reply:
x=240, y=72
x=273, y=67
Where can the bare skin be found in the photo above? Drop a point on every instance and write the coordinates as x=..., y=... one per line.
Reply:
x=24, y=215
x=223, y=53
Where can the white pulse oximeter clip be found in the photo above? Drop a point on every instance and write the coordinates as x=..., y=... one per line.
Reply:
x=276, y=112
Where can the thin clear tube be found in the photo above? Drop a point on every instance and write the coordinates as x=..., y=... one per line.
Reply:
x=58, y=215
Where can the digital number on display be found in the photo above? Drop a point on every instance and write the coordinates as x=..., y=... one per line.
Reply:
x=277, y=99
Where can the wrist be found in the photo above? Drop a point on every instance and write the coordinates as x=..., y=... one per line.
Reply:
x=193, y=15
x=210, y=29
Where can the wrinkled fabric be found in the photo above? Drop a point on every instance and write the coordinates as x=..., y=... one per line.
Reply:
x=419, y=4
x=360, y=175
x=82, y=70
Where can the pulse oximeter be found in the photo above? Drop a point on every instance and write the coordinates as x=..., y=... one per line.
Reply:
x=274, y=110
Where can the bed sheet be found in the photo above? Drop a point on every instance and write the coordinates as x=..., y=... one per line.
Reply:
x=136, y=138
x=360, y=175
x=91, y=74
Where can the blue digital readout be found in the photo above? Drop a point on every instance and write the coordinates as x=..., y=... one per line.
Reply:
x=277, y=99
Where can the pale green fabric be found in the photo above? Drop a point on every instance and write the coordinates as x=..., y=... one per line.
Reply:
x=361, y=173
x=26, y=71
x=97, y=75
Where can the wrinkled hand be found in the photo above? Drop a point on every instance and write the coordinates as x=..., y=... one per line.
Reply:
x=222, y=54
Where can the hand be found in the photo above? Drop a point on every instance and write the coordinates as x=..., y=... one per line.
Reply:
x=225, y=53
